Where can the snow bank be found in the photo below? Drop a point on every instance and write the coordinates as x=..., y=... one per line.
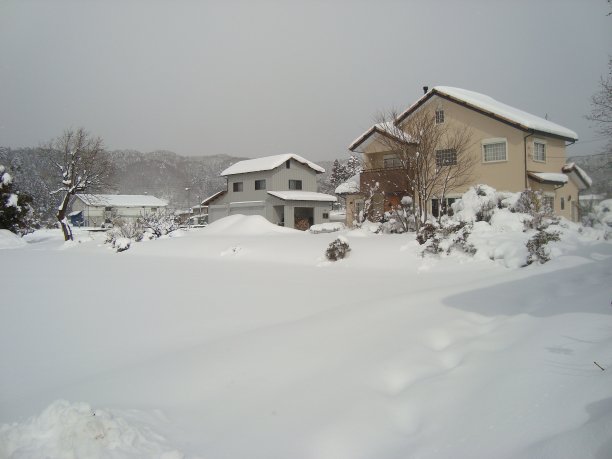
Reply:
x=245, y=225
x=75, y=430
x=10, y=240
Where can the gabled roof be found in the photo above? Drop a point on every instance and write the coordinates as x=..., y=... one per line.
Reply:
x=495, y=109
x=388, y=129
x=121, y=200
x=267, y=163
x=210, y=199
x=482, y=104
x=296, y=195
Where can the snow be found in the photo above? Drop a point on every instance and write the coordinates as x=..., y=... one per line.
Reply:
x=240, y=340
x=327, y=227
x=550, y=177
x=350, y=186
x=267, y=163
x=573, y=167
x=12, y=200
x=489, y=104
x=9, y=240
x=294, y=195
x=86, y=433
x=122, y=200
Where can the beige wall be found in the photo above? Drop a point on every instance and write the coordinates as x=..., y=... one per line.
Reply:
x=506, y=175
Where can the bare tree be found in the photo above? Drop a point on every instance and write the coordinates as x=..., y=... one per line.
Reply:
x=601, y=107
x=83, y=166
x=435, y=157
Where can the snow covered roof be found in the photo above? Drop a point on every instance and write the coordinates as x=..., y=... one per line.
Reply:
x=122, y=200
x=494, y=108
x=573, y=170
x=267, y=163
x=210, y=199
x=295, y=195
x=387, y=128
x=549, y=177
x=350, y=186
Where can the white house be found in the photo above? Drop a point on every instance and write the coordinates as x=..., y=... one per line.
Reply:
x=281, y=188
x=96, y=209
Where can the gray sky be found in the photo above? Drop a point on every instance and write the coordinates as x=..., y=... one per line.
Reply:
x=254, y=78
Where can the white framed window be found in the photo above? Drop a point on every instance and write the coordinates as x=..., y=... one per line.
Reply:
x=439, y=116
x=494, y=150
x=539, y=150
x=447, y=157
x=237, y=186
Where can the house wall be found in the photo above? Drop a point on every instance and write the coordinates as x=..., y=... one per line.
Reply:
x=96, y=215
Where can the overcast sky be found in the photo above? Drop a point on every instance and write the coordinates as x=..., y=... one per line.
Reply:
x=255, y=78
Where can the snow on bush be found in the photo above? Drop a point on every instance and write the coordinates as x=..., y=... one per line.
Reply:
x=338, y=249
x=326, y=227
x=75, y=430
x=515, y=228
x=601, y=217
x=9, y=240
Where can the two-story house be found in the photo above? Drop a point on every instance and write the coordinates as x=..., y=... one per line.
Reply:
x=97, y=209
x=511, y=150
x=281, y=188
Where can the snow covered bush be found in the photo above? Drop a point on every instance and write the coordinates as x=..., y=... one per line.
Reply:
x=123, y=232
x=515, y=228
x=600, y=217
x=445, y=237
x=536, y=246
x=532, y=203
x=159, y=223
x=16, y=213
x=477, y=204
x=337, y=250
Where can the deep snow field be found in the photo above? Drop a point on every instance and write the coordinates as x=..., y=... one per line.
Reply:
x=240, y=341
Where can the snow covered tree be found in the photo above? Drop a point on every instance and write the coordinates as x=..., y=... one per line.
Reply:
x=83, y=166
x=15, y=208
x=435, y=158
x=353, y=166
x=338, y=174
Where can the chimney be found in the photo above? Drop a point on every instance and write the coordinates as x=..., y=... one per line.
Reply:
x=425, y=89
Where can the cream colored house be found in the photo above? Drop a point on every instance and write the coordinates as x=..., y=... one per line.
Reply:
x=513, y=150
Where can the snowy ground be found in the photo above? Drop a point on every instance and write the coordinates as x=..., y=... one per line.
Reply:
x=240, y=341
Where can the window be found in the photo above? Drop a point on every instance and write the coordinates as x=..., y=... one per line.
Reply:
x=391, y=161
x=549, y=203
x=153, y=209
x=288, y=164
x=494, y=150
x=439, y=116
x=444, y=209
x=325, y=215
x=539, y=151
x=446, y=157
x=295, y=184
x=562, y=204
x=260, y=184
x=237, y=186
x=108, y=209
